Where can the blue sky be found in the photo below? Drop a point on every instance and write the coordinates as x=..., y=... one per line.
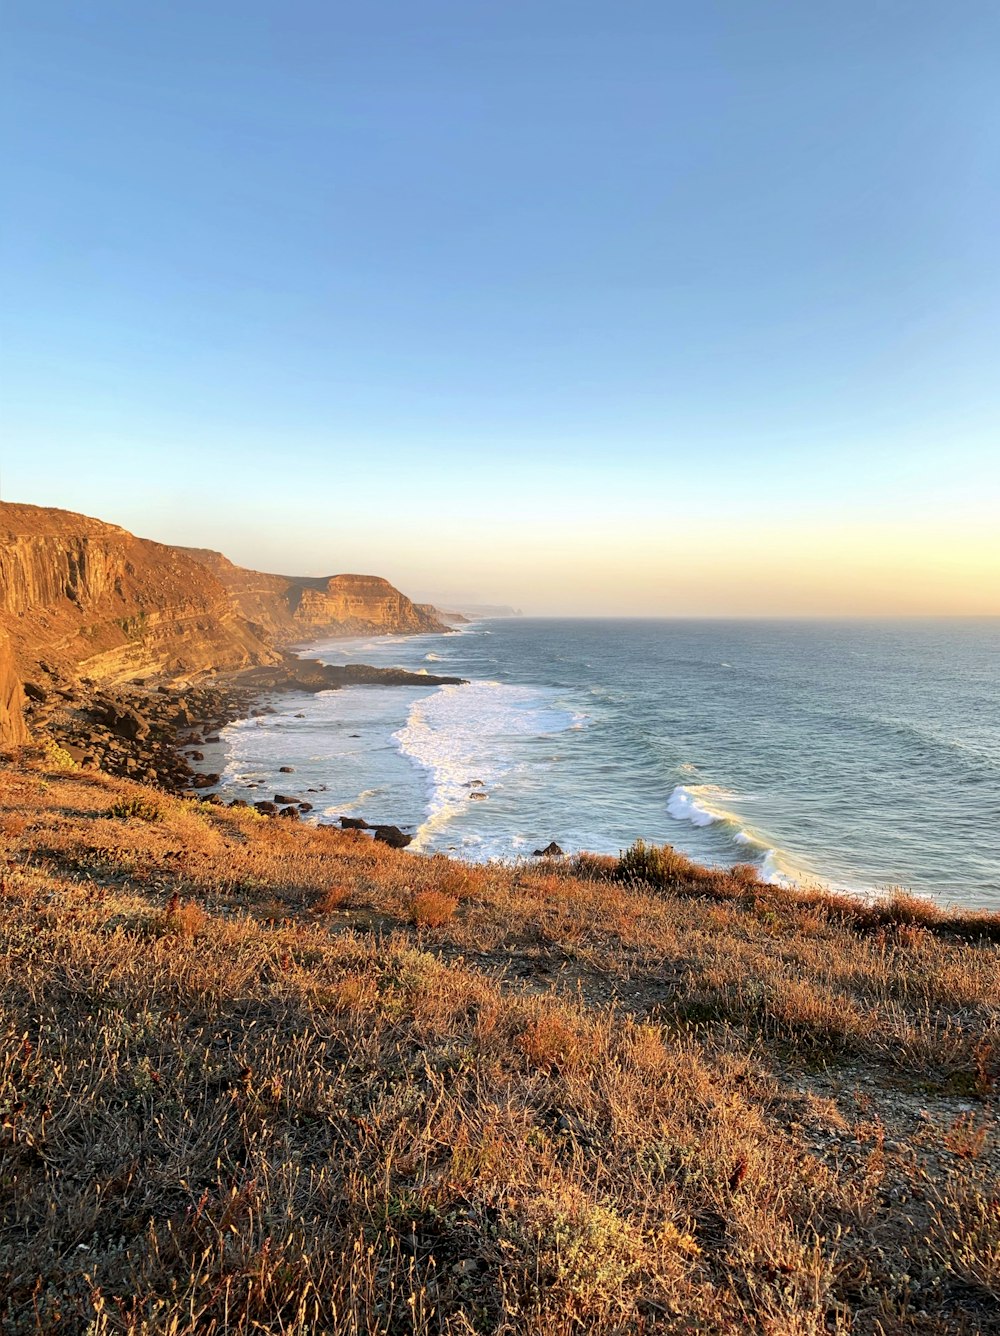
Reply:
x=582, y=306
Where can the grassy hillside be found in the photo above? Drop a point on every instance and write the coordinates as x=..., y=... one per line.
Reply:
x=258, y=1077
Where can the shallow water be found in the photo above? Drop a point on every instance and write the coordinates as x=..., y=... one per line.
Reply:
x=858, y=754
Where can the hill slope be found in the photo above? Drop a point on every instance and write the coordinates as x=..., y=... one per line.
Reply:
x=264, y=1077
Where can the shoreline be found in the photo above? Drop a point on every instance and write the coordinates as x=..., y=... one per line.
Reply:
x=156, y=732
x=169, y=736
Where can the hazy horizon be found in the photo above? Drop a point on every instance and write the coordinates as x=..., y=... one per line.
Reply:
x=678, y=310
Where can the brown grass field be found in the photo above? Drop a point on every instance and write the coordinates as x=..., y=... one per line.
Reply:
x=258, y=1077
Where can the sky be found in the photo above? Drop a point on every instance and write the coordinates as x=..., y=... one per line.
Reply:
x=630, y=306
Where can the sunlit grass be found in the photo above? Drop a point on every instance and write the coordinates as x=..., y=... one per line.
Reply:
x=258, y=1077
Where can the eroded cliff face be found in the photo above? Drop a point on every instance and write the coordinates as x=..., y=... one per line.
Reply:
x=296, y=607
x=94, y=598
x=12, y=730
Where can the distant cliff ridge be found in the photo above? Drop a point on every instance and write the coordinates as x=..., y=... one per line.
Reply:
x=93, y=600
x=292, y=607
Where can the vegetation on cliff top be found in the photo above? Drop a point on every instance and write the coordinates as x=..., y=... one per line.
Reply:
x=262, y=1077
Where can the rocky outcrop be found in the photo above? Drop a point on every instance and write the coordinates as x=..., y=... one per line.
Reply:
x=94, y=599
x=299, y=607
x=12, y=730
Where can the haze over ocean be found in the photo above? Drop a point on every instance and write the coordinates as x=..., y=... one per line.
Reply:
x=857, y=754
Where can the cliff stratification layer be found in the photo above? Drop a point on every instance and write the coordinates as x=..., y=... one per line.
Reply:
x=81, y=599
x=93, y=598
x=292, y=607
x=12, y=729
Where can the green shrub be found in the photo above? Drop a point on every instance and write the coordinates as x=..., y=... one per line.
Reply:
x=135, y=809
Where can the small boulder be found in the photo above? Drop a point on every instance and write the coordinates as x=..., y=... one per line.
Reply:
x=354, y=823
x=286, y=769
x=550, y=851
x=268, y=809
x=283, y=799
x=291, y=812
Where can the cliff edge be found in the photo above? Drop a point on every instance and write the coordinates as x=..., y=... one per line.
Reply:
x=289, y=607
x=92, y=598
x=12, y=729
x=80, y=598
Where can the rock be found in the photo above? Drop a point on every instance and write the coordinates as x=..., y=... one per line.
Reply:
x=268, y=809
x=354, y=823
x=475, y=784
x=392, y=836
x=286, y=769
x=550, y=851
x=214, y=738
x=481, y=797
x=290, y=812
x=35, y=693
x=196, y=756
x=305, y=807
x=239, y=802
x=125, y=721
x=283, y=799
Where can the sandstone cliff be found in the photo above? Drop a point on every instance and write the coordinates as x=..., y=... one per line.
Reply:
x=93, y=598
x=300, y=607
x=12, y=730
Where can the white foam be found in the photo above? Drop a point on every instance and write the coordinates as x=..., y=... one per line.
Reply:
x=705, y=805
x=432, y=657
x=473, y=732
x=699, y=804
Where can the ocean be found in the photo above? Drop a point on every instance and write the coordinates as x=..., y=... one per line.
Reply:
x=858, y=755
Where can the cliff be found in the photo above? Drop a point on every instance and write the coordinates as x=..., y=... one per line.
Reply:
x=298, y=607
x=92, y=598
x=12, y=730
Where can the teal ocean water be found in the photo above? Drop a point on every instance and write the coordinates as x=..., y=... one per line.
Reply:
x=856, y=754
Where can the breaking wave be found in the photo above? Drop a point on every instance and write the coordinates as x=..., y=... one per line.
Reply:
x=468, y=738
x=706, y=805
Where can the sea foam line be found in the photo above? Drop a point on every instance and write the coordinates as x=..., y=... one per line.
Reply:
x=467, y=739
x=705, y=805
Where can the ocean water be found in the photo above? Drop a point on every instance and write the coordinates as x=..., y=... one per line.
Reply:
x=859, y=755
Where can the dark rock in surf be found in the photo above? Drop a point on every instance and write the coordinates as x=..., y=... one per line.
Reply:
x=392, y=836
x=550, y=851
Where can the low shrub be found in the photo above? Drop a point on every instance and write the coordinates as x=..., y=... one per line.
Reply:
x=432, y=909
x=135, y=809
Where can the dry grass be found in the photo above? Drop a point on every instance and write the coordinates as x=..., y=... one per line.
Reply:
x=247, y=1086
x=432, y=909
